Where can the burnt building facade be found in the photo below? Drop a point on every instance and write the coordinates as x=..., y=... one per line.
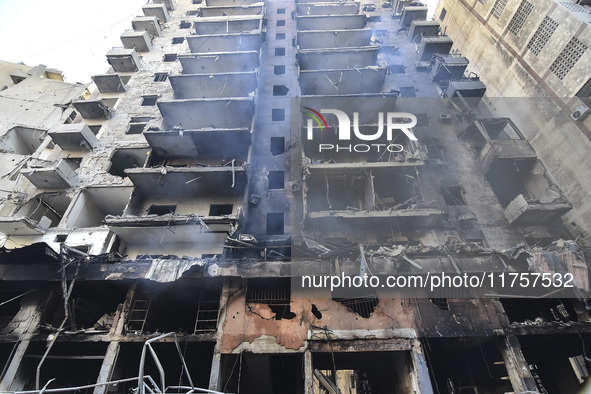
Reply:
x=177, y=225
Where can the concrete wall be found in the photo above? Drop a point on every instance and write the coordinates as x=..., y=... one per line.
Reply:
x=225, y=43
x=338, y=22
x=208, y=113
x=224, y=11
x=228, y=24
x=368, y=80
x=214, y=85
x=334, y=38
x=226, y=62
x=327, y=9
x=326, y=59
x=230, y=3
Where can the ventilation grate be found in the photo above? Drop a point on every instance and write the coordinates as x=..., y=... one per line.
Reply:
x=498, y=8
x=568, y=58
x=518, y=20
x=542, y=35
x=407, y=91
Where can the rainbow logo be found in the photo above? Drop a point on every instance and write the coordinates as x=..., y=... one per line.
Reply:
x=317, y=115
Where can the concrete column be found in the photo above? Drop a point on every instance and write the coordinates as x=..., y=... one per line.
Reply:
x=422, y=380
x=517, y=367
x=25, y=325
x=107, y=367
x=113, y=350
x=308, y=373
x=215, y=374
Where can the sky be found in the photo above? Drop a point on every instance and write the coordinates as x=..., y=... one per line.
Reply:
x=70, y=35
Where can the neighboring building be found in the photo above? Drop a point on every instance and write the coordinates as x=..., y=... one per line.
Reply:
x=209, y=172
x=539, y=50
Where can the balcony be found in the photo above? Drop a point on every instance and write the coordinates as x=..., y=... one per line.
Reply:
x=219, y=62
x=214, y=113
x=50, y=175
x=237, y=42
x=74, y=136
x=218, y=144
x=190, y=86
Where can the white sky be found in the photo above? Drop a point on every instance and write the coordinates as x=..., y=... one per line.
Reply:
x=70, y=35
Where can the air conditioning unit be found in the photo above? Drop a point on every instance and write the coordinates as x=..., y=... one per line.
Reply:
x=580, y=112
x=294, y=186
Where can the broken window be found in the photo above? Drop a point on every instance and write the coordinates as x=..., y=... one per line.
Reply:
x=183, y=308
x=440, y=303
x=46, y=208
x=136, y=128
x=22, y=140
x=275, y=292
x=275, y=223
x=278, y=70
x=160, y=77
x=161, y=209
x=280, y=90
x=277, y=145
x=71, y=117
x=363, y=306
x=453, y=195
x=277, y=114
x=170, y=57
x=60, y=238
x=221, y=209
x=95, y=129
x=276, y=179
x=127, y=158
x=149, y=100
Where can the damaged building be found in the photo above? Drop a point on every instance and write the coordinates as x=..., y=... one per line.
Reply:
x=158, y=225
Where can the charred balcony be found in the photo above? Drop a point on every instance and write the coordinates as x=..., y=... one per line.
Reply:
x=526, y=191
